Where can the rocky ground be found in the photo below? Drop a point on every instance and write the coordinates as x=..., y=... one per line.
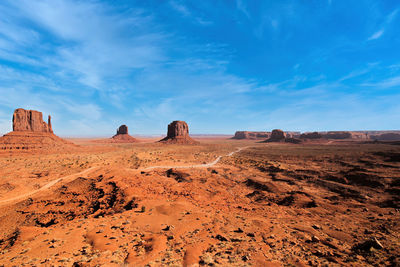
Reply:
x=267, y=205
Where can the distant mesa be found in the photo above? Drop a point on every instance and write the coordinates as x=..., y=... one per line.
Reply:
x=335, y=135
x=240, y=135
x=313, y=135
x=122, y=136
x=338, y=135
x=278, y=135
x=178, y=133
x=386, y=137
x=31, y=132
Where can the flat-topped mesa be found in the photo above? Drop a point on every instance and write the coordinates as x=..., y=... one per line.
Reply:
x=178, y=132
x=280, y=136
x=239, y=135
x=277, y=136
x=313, y=135
x=30, y=121
x=122, y=136
x=177, y=129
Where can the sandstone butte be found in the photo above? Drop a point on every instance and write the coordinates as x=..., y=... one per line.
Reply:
x=178, y=133
x=123, y=136
x=276, y=136
x=31, y=132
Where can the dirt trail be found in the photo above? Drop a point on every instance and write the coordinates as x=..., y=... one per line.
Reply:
x=50, y=184
x=205, y=165
x=72, y=176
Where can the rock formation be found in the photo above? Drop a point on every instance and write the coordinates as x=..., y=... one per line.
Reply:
x=122, y=136
x=178, y=133
x=123, y=129
x=31, y=132
x=239, y=135
x=313, y=135
x=386, y=137
x=276, y=136
x=30, y=121
x=338, y=135
x=281, y=136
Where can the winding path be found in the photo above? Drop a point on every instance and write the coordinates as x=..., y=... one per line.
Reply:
x=46, y=186
x=75, y=175
x=205, y=165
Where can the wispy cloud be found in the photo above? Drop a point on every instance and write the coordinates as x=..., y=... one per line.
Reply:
x=387, y=83
x=241, y=6
x=184, y=11
x=388, y=20
x=376, y=35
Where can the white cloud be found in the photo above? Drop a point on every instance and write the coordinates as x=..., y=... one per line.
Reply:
x=376, y=35
x=241, y=6
x=95, y=49
x=185, y=12
x=387, y=21
x=388, y=83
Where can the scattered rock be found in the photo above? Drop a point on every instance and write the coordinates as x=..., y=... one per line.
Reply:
x=316, y=226
x=369, y=245
x=220, y=238
x=315, y=239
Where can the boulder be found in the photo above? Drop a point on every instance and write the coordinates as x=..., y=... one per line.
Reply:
x=178, y=132
x=30, y=121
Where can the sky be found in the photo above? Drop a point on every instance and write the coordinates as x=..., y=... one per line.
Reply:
x=220, y=65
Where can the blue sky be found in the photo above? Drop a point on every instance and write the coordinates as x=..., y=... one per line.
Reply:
x=220, y=65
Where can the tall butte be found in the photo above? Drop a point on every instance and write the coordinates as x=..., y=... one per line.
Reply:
x=123, y=136
x=30, y=132
x=178, y=133
x=30, y=121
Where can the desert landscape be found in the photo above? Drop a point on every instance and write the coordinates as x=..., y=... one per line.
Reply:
x=199, y=133
x=206, y=202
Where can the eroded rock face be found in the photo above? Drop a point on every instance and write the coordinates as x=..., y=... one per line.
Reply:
x=277, y=135
x=177, y=128
x=250, y=135
x=123, y=129
x=30, y=121
x=178, y=132
x=30, y=132
x=313, y=135
x=386, y=137
x=338, y=135
x=122, y=136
